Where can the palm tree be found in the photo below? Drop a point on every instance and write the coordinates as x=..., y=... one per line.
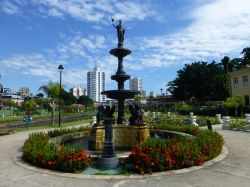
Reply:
x=52, y=91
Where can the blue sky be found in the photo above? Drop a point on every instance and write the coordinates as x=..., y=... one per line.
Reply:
x=38, y=35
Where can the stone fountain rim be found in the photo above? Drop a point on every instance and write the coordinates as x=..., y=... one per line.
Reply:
x=19, y=162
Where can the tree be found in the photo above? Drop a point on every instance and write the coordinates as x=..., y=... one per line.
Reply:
x=68, y=98
x=85, y=100
x=29, y=106
x=234, y=103
x=246, y=57
x=200, y=80
x=41, y=95
x=225, y=62
x=10, y=103
x=52, y=91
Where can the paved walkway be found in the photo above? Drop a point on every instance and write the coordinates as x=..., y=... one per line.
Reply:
x=232, y=171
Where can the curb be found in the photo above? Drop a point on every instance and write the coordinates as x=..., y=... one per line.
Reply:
x=19, y=162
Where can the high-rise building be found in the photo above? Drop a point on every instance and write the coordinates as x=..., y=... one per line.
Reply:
x=96, y=84
x=77, y=91
x=135, y=84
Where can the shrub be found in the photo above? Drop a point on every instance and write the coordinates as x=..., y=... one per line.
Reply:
x=189, y=129
x=38, y=151
x=161, y=155
x=237, y=124
x=59, y=132
x=202, y=121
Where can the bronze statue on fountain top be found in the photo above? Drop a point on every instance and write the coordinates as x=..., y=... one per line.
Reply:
x=120, y=77
x=120, y=32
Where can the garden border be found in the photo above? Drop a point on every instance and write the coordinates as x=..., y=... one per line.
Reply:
x=19, y=162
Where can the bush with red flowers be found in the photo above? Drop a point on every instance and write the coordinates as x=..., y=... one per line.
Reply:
x=156, y=155
x=38, y=151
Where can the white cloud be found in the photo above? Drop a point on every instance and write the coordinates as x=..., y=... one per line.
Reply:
x=45, y=65
x=54, y=12
x=81, y=46
x=92, y=11
x=218, y=28
x=9, y=7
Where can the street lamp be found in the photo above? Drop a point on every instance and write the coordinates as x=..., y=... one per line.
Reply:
x=161, y=91
x=60, y=68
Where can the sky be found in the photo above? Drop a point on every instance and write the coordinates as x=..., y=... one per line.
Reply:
x=36, y=36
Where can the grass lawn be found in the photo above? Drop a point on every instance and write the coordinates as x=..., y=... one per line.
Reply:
x=49, y=126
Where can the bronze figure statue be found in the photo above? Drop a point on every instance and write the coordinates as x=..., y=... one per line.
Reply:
x=136, y=117
x=104, y=112
x=120, y=32
x=100, y=114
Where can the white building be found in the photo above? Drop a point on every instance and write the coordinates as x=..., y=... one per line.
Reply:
x=25, y=91
x=96, y=84
x=135, y=84
x=77, y=91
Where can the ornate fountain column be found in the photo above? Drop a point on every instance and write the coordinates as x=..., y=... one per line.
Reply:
x=120, y=77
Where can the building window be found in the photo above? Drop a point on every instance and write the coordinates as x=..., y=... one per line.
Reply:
x=246, y=98
x=245, y=81
x=236, y=83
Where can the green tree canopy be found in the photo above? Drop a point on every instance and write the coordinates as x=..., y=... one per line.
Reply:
x=52, y=89
x=29, y=106
x=68, y=98
x=234, y=103
x=201, y=80
x=246, y=56
x=85, y=100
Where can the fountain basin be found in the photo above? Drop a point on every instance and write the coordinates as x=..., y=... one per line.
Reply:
x=120, y=52
x=120, y=94
x=125, y=137
x=120, y=77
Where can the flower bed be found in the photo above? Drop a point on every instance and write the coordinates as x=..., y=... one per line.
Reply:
x=38, y=151
x=152, y=156
x=161, y=155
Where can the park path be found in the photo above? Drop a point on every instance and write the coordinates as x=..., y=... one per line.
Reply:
x=234, y=170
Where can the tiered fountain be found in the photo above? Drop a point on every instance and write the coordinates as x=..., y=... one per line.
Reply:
x=120, y=77
x=124, y=136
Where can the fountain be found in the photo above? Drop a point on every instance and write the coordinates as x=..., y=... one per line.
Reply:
x=109, y=136
x=120, y=77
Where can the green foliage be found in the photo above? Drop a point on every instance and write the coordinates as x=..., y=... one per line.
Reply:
x=193, y=81
x=59, y=132
x=38, y=151
x=202, y=121
x=52, y=89
x=29, y=106
x=182, y=109
x=237, y=124
x=245, y=60
x=68, y=98
x=85, y=100
x=167, y=154
x=189, y=129
x=234, y=103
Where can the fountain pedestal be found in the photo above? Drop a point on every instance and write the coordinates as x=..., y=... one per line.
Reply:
x=108, y=158
x=124, y=136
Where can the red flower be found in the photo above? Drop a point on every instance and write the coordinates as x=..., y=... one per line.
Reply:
x=133, y=152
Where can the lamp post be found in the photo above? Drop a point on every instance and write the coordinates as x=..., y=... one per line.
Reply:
x=161, y=91
x=60, y=68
